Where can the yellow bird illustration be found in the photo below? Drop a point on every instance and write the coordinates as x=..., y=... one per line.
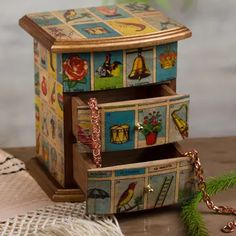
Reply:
x=126, y=197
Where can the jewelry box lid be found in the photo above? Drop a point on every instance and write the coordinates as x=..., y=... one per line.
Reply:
x=121, y=26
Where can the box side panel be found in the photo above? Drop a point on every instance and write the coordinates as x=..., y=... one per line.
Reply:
x=49, y=111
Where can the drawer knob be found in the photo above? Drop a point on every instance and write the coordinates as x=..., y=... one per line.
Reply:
x=139, y=126
x=148, y=189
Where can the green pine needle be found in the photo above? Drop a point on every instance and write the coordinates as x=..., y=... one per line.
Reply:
x=190, y=215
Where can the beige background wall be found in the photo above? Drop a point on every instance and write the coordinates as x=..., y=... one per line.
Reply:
x=206, y=67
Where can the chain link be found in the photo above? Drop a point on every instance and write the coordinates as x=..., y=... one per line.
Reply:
x=96, y=132
x=230, y=227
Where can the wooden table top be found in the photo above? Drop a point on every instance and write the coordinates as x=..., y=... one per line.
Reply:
x=217, y=156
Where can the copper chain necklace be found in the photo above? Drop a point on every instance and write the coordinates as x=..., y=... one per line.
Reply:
x=193, y=155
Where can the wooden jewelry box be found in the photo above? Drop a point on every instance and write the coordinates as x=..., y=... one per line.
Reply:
x=125, y=57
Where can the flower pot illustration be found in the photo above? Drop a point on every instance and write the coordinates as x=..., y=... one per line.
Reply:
x=151, y=138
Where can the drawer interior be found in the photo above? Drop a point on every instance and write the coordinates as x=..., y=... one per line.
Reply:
x=133, y=93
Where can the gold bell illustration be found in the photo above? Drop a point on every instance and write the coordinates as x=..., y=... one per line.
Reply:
x=139, y=69
x=180, y=123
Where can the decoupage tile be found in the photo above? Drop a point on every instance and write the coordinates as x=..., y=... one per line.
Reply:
x=187, y=185
x=60, y=134
x=99, y=197
x=37, y=112
x=139, y=67
x=131, y=26
x=137, y=8
x=36, y=52
x=76, y=16
x=52, y=127
x=44, y=120
x=166, y=62
x=96, y=30
x=59, y=100
x=119, y=130
x=62, y=32
x=53, y=158
x=36, y=80
x=108, y=68
x=44, y=84
x=76, y=72
x=45, y=19
x=153, y=121
x=52, y=93
x=109, y=12
x=160, y=21
x=60, y=168
x=129, y=195
x=45, y=151
x=38, y=146
x=43, y=57
x=59, y=68
x=52, y=65
x=164, y=186
x=178, y=124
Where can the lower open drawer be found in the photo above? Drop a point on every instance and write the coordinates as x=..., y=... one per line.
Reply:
x=159, y=177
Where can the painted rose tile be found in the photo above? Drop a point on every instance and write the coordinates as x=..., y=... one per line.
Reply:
x=76, y=72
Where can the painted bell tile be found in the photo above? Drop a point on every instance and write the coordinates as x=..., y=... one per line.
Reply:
x=108, y=69
x=119, y=130
x=131, y=26
x=129, y=195
x=96, y=30
x=75, y=16
x=166, y=66
x=178, y=121
x=139, y=67
x=109, y=12
x=164, y=190
x=99, y=197
x=153, y=123
x=76, y=72
x=45, y=19
x=62, y=32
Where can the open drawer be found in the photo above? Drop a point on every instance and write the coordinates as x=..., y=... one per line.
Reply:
x=144, y=179
x=132, y=118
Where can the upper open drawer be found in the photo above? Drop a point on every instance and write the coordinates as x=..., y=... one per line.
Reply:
x=133, y=118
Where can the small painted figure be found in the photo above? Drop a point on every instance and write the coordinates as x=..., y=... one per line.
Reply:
x=107, y=69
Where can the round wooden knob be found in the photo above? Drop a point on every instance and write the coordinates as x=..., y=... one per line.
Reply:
x=148, y=189
x=139, y=126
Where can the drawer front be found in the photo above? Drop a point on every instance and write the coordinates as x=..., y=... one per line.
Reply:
x=135, y=187
x=135, y=124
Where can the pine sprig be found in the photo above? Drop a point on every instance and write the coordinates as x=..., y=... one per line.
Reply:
x=190, y=215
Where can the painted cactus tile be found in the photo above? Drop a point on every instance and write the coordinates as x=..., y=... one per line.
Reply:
x=99, y=197
x=131, y=26
x=129, y=195
x=164, y=190
x=76, y=72
x=119, y=130
x=62, y=32
x=109, y=12
x=178, y=121
x=153, y=121
x=139, y=8
x=52, y=127
x=75, y=16
x=108, y=68
x=139, y=67
x=96, y=30
x=187, y=185
x=45, y=19
x=166, y=62
x=36, y=80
